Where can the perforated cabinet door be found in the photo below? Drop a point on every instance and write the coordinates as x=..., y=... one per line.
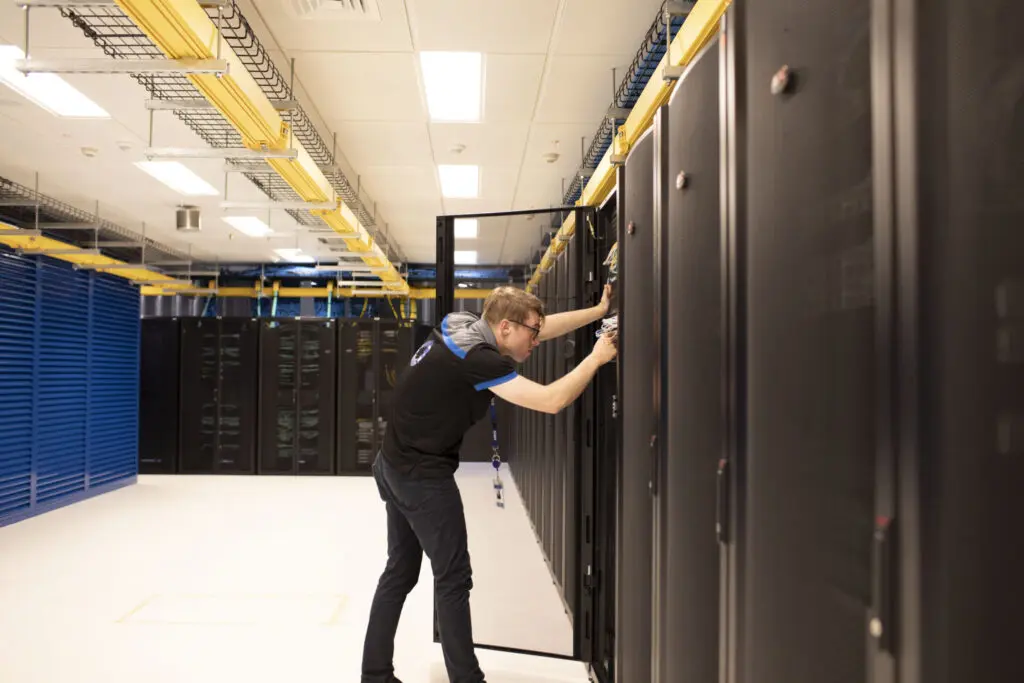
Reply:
x=279, y=345
x=317, y=357
x=238, y=390
x=200, y=369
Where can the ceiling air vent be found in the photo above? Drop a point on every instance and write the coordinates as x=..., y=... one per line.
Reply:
x=336, y=10
x=188, y=219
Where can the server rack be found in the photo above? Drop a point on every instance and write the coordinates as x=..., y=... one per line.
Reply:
x=688, y=254
x=800, y=232
x=297, y=397
x=372, y=355
x=949, y=137
x=602, y=437
x=638, y=368
x=219, y=371
x=159, y=380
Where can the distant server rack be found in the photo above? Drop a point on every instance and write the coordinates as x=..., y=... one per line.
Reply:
x=297, y=397
x=219, y=389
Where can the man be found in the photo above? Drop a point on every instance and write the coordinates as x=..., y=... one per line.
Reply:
x=445, y=391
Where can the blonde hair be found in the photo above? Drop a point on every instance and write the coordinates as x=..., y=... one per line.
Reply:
x=510, y=303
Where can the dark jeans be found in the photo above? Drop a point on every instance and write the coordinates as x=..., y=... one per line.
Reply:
x=424, y=515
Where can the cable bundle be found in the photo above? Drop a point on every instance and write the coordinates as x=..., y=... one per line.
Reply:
x=609, y=324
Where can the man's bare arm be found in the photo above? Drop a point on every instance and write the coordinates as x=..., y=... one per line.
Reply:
x=557, y=324
x=554, y=397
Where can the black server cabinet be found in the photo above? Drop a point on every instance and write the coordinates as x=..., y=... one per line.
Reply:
x=372, y=355
x=637, y=367
x=686, y=603
x=219, y=388
x=603, y=431
x=356, y=396
x=297, y=397
x=949, y=144
x=799, y=114
x=159, y=377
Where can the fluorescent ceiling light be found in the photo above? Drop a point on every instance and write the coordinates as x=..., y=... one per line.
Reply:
x=178, y=177
x=49, y=91
x=294, y=255
x=248, y=225
x=459, y=181
x=454, y=83
x=465, y=257
x=465, y=228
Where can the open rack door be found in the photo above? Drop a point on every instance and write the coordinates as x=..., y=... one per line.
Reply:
x=534, y=586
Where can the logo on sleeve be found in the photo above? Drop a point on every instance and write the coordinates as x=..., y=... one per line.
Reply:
x=422, y=352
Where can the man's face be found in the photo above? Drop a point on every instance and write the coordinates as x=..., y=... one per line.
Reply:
x=520, y=337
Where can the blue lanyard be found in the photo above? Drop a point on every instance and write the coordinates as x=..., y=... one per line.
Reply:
x=499, y=488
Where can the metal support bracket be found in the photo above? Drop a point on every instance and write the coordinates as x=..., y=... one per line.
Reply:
x=672, y=73
x=679, y=8
x=58, y=252
x=206, y=105
x=112, y=266
x=122, y=66
x=286, y=206
x=218, y=153
x=70, y=226
x=71, y=4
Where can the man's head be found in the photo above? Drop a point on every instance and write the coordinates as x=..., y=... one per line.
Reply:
x=516, y=317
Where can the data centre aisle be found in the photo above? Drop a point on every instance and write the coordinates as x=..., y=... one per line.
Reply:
x=207, y=578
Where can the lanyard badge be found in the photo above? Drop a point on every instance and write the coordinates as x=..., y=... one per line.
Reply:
x=499, y=488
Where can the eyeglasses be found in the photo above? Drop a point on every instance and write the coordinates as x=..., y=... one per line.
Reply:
x=536, y=330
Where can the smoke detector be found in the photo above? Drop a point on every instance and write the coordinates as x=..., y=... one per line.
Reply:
x=551, y=157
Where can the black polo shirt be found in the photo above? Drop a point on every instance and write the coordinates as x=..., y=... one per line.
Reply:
x=444, y=391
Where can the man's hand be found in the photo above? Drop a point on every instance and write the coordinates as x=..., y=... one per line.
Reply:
x=606, y=300
x=605, y=349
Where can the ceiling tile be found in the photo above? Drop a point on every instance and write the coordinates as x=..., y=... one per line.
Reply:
x=363, y=86
x=367, y=144
x=538, y=188
x=47, y=29
x=579, y=89
x=522, y=27
x=497, y=186
x=396, y=187
x=511, y=85
x=485, y=144
x=584, y=29
x=390, y=34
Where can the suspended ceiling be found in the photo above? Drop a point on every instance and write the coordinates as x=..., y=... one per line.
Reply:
x=548, y=82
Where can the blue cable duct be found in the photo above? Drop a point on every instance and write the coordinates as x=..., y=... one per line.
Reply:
x=644, y=65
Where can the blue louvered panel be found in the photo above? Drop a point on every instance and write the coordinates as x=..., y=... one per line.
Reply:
x=114, y=387
x=62, y=381
x=17, y=330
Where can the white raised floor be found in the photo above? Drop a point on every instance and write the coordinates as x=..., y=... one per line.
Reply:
x=196, y=579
